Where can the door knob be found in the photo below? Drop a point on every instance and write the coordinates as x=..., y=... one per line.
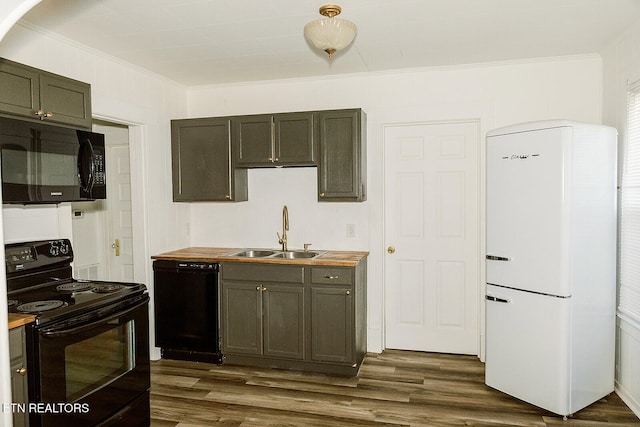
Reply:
x=391, y=249
x=116, y=245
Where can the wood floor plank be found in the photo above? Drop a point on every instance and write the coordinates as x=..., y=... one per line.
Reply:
x=394, y=388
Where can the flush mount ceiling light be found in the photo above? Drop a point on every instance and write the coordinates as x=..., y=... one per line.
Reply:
x=330, y=34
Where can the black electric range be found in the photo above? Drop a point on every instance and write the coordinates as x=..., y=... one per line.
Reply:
x=40, y=282
x=88, y=349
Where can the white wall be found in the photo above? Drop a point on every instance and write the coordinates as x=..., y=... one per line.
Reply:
x=496, y=94
x=622, y=67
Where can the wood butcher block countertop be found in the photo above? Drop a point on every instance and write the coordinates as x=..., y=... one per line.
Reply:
x=207, y=254
x=16, y=319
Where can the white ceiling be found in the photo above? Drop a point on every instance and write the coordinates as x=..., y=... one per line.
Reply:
x=197, y=42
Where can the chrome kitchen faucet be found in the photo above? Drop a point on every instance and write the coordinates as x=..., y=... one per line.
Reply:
x=285, y=226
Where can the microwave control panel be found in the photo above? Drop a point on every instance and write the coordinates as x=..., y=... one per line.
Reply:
x=98, y=164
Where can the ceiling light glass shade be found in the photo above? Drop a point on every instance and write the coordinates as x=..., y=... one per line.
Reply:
x=330, y=34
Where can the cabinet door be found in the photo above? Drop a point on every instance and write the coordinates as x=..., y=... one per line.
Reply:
x=332, y=324
x=283, y=308
x=24, y=91
x=19, y=89
x=342, y=162
x=294, y=141
x=254, y=137
x=68, y=101
x=201, y=160
x=242, y=318
x=19, y=388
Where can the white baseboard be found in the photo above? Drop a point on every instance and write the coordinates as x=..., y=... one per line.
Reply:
x=628, y=362
x=629, y=400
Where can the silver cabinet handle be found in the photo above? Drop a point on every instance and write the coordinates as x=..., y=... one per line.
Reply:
x=43, y=114
x=331, y=277
x=497, y=258
x=348, y=292
x=496, y=299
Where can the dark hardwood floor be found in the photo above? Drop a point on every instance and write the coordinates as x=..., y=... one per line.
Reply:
x=395, y=388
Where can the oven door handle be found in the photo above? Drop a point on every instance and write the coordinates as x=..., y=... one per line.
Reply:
x=103, y=316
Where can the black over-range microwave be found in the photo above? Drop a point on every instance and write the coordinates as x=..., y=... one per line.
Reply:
x=42, y=163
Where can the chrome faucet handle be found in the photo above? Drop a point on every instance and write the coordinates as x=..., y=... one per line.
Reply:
x=282, y=240
x=306, y=247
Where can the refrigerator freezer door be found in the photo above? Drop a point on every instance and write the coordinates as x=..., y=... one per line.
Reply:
x=528, y=347
x=527, y=206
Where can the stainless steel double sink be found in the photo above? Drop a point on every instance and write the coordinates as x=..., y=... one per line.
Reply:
x=276, y=253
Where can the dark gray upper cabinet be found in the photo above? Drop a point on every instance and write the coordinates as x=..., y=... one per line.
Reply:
x=202, y=163
x=342, y=173
x=294, y=140
x=270, y=140
x=38, y=95
x=334, y=141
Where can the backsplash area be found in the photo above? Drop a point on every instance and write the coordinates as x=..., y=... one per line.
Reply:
x=36, y=222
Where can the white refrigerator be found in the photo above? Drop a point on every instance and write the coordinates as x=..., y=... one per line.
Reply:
x=551, y=263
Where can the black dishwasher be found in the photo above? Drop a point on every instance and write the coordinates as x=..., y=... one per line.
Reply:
x=187, y=310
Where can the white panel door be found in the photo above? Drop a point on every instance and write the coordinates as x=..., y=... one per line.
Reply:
x=119, y=207
x=431, y=233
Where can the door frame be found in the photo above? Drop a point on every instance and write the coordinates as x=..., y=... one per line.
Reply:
x=481, y=219
x=138, y=206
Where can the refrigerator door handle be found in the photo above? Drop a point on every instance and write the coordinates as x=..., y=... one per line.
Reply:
x=497, y=258
x=497, y=299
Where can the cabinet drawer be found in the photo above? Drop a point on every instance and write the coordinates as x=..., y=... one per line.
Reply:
x=332, y=275
x=262, y=272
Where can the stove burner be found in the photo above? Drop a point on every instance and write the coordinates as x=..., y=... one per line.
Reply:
x=74, y=287
x=40, y=306
x=107, y=288
x=12, y=302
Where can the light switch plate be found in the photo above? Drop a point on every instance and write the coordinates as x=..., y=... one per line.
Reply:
x=351, y=230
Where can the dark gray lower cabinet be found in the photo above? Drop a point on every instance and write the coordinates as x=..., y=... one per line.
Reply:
x=290, y=316
x=283, y=321
x=263, y=310
x=242, y=311
x=332, y=324
x=19, y=388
